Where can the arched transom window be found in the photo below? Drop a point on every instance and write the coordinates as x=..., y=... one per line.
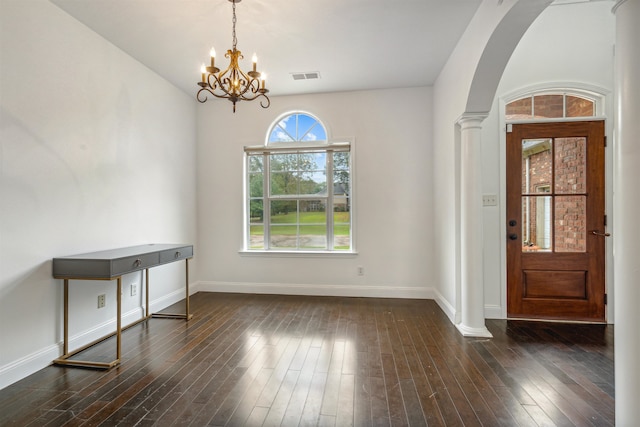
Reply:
x=298, y=189
x=548, y=105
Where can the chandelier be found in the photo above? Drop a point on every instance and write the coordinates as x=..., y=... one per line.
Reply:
x=233, y=83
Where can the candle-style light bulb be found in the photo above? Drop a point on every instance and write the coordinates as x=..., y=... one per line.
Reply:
x=254, y=59
x=212, y=53
x=203, y=70
x=263, y=78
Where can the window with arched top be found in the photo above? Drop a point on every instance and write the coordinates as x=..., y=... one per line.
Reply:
x=298, y=189
x=550, y=105
x=297, y=127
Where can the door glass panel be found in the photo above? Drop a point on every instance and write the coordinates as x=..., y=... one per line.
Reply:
x=536, y=165
x=536, y=224
x=570, y=224
x=570, y=165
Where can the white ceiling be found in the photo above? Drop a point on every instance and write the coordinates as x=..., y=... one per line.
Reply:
x=354, y=45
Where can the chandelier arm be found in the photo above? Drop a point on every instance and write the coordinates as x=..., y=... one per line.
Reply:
x=268, y=101
x=206, y=90
x=227, y=95
x=251, y=98
x=216, y=82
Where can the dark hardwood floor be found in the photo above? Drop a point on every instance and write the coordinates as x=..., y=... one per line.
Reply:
x=265, y=360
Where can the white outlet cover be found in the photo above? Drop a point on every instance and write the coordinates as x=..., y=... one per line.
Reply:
x=489, y=200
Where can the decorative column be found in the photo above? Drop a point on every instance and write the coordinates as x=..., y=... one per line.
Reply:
x=626, y=205
x=471, y=245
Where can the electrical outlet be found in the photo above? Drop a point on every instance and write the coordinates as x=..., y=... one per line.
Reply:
x=134, y=289
x=360, y=270
x=102, y=300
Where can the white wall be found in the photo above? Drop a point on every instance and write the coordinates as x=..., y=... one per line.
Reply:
x=96, y=152
x=567, y=45
x=451, y=92
x=393, y=200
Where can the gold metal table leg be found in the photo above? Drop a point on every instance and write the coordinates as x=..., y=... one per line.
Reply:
x=65, y=358
x=187, y=288
x=65, y=346
x=119, y=319
x=146, y=294
x=187, y=315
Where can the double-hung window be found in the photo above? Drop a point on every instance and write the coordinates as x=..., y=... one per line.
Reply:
x=298, y=189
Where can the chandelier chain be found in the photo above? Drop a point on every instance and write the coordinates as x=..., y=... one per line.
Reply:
x=235, y=39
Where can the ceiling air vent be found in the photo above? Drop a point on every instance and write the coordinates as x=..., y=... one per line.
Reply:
x=311, y=75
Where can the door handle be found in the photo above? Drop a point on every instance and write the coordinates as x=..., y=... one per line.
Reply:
x=513, y=236
x=598, y=233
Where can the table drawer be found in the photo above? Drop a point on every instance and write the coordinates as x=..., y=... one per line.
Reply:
x=176, y=254
x=133, y=263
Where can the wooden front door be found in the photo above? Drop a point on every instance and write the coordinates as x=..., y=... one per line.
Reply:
x=556, y=221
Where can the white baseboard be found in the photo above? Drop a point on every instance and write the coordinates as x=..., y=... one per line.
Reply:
x=409, y=292
x=493, y=312
x=490, y=311
x=25, y=366
x=446, y=306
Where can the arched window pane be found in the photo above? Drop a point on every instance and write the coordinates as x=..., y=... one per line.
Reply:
x=519, y=109
x=548, y=106
x=298, y=127
x=579, y=107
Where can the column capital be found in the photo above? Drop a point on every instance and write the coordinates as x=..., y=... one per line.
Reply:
x=471, y=120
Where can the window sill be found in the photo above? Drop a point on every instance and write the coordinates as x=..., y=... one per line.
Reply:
x=297, y=254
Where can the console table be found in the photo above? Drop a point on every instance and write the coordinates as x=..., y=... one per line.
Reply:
x=112, y=265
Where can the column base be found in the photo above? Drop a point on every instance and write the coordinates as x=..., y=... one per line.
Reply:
x=468, y=331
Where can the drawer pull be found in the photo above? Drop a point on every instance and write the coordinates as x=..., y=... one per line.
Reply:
x=178, y=254
x=137, y=263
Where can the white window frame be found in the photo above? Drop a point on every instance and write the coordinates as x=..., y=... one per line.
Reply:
x=329, y=147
